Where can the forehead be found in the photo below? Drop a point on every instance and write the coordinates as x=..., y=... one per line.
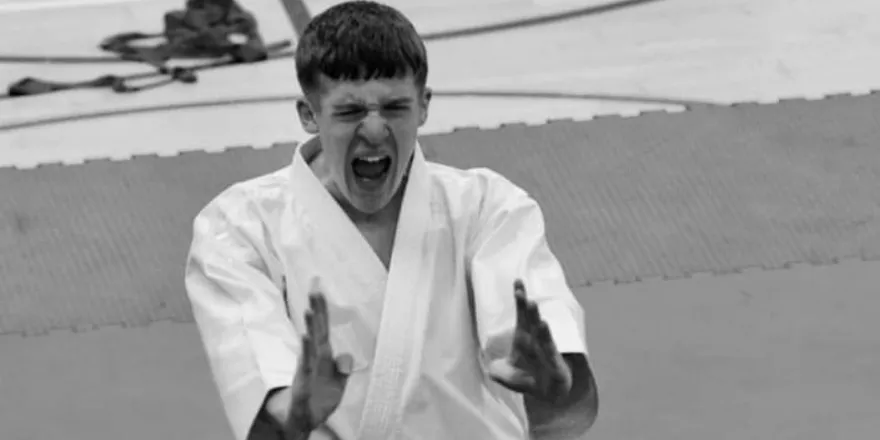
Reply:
x=371, y=91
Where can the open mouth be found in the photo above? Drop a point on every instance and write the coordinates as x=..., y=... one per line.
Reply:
x=371, y=168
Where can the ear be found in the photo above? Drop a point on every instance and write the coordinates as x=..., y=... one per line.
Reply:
x=427, y=94
x=307, y=116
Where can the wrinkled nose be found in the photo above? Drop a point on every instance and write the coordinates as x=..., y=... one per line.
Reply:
x=374, y=129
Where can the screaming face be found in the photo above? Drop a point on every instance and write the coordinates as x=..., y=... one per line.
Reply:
x=368, y=131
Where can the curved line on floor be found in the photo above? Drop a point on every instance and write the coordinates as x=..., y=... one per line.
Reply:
x=61, y=59
x=502, y=94
x=535, y=21
x=430, y=36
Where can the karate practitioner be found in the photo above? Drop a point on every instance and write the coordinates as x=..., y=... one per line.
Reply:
x=363, y=293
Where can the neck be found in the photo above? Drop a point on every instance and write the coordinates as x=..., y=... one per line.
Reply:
x=386, y=216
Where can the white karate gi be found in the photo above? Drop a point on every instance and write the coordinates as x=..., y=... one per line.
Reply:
x=421, y=334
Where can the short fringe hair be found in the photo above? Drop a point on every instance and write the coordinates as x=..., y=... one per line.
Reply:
x=358, y=41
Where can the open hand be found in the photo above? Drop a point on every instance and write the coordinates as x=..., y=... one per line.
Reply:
x=320, y=379
x=535, y=366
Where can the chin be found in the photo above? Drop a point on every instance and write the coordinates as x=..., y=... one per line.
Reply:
x=371, y=204
x=369, y=208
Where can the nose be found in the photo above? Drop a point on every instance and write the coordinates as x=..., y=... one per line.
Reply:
x=374, y=128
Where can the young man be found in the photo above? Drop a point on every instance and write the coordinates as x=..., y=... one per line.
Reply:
x=362, y=293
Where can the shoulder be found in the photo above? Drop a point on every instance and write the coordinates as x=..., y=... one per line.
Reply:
x=481, y=181
x=238, y=225
x=245, y=202
x=482, y=189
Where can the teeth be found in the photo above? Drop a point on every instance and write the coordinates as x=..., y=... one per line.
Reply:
x=372, y=159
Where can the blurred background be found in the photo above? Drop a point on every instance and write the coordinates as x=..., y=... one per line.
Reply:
x=709, y=171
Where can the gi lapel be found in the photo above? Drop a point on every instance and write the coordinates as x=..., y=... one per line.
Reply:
x=396, y=362
x=320, y=241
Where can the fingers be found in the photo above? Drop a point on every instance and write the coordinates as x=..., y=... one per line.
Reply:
x=533, y=316
x=312, y=333
x=301, y=391
x=318, y=328
x=527, y=315
x=519, y=287
x=542, y=334
x=320, y=324
x=526, y=351
x=534, y=341
x=318, y=335
x=307, y=360
x=519, y=294
x=318, y=307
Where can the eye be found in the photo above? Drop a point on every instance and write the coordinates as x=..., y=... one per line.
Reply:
x=348, y=112
x=396, y=108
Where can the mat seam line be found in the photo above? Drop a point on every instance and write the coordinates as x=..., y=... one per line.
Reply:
x=483, y=128
x=743, y=270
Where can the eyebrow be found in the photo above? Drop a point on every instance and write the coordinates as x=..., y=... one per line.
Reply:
x=359, y=103
x=404, y=100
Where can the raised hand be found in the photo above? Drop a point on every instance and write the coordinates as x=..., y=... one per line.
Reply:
x=320, y=378
x=535, y=366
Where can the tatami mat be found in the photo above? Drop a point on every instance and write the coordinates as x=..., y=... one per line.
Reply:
x=660, y=195
x=775, y=354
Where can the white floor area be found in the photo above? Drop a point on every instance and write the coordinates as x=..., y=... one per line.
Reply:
x=724, y=51
x=783, y=354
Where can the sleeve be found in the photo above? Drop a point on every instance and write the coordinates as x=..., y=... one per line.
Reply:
x=251, y=345
x=508, y=242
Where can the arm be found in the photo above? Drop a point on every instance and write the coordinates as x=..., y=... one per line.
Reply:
x=509, y=242
x=251, y=345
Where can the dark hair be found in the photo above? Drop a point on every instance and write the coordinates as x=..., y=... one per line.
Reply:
x=359, y=40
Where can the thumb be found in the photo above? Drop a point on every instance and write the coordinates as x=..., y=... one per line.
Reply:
x=344, y=366
x=510, y=377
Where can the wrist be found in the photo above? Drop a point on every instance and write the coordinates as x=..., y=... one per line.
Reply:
x=281, y=411
x=298, y=427
x=299, y=423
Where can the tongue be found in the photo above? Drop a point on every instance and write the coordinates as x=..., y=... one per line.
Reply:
x=370, y=170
